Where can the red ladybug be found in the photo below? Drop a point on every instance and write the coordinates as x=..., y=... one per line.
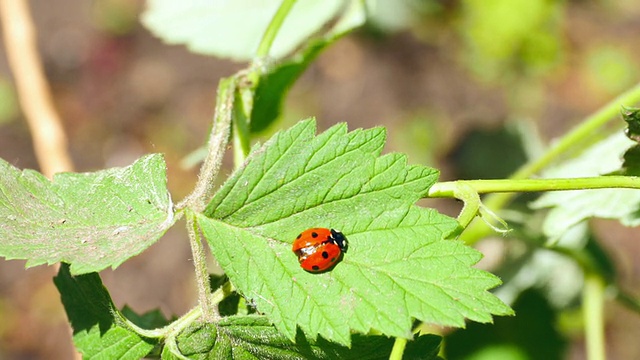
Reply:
x=319, y=249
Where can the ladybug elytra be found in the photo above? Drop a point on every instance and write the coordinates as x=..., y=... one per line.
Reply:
x=319, y=249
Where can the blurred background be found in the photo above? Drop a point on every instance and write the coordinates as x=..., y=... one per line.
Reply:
x=473, y=88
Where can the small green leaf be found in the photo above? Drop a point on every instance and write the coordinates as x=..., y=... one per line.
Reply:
x=631, y=164
x=274, y=85
x=569, y=208
x=198, y=339
x=233, y=29
x=253, y=337
x=398, y=266
x=99, y=331
x=632, y=117
x=91, y=220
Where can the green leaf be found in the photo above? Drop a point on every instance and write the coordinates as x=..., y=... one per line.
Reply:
x=99, y=331
x=569, y=208
x=233, y=29
x=398, y=265
x=273, y=85
x=91, y=220
x=631, y=164
x=632, y=117
x=253, y=337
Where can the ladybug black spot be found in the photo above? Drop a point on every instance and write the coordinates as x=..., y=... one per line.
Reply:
x=325, y=255
x=314, y=235
x=333, y=260
x=315, y=267
x=299, y=236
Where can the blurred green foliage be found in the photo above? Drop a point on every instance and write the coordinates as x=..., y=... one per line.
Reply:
x=116, y=17
x=531, y=334
x=507, y=37
x=610, y=69
x=9, y=108
x=488, y=154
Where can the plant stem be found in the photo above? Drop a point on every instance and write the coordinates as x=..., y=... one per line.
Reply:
x=452, y=188
x=467, y=194
x=593, y=304
x=176, y=327
x=200, y=263
x=218, y=139
x=398, y=349
x=586, y=129
x=468, y=191
x=273, y=28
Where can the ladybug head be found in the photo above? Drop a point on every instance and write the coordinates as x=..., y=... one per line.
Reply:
x=338, y=238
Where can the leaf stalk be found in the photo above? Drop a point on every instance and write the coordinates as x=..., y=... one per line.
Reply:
x=216, y=147
x=588, y=128
x=593, y=314
x=274, y=27
x=453, y=188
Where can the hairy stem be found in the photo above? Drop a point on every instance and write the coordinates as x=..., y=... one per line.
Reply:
x=176, y=327
x=202, y=275
x=218, y=140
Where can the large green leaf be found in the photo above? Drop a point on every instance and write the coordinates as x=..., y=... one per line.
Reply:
x=398, y=266
x=99, y=330
x=233, y=29
x=91, y=220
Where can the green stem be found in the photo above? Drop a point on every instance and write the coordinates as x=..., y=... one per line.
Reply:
x=453, y=188
x=202, y=192
x=468, y=191
x=587, y=128
x=398, y=349
x=176, y=327
x=216, y=147
x=460, y=191
x=202, y=274
x=593, y=304
x=273, y=28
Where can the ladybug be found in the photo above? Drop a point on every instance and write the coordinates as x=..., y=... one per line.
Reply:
x=319, y=249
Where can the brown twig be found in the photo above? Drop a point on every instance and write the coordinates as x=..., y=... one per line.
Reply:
x=49, y=139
